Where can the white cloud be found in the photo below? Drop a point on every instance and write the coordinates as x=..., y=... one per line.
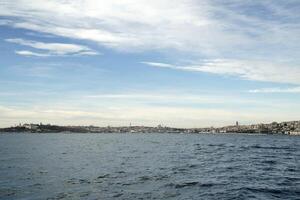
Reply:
x=282, y=72
x=208, y=27
x=260, y=46
x=51, y=48
x=157, y=64
x=179, y=98
x=30, y=53
x=139, y=24
x=276, y=90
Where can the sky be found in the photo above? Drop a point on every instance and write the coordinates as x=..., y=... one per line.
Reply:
x=179, y=63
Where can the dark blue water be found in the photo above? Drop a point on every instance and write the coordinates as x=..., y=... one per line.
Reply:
x=149, y=166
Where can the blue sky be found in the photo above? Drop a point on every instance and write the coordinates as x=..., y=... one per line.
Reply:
x=182, y=63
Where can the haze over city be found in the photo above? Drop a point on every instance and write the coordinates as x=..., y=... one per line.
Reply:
x=182, y=63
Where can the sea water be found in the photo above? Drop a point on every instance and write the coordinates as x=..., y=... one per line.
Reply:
x=149, y=166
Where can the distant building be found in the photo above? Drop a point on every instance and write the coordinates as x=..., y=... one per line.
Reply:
x=31, y=126
x=237, y=123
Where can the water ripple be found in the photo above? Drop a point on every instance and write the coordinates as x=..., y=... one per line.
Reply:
x=143, y=166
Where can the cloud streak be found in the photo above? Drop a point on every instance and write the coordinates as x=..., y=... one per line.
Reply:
x=51, y=48
x=281, y=72
x=276, y=90
x=30, y=53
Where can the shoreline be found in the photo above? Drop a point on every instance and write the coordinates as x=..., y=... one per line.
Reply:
x=282, y=128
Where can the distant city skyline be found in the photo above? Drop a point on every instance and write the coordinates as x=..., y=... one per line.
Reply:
x=183, y=63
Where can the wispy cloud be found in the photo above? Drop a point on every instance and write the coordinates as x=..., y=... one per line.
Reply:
x=158, y=64
x=276, y=90
x=282, y=72
x=4, y=22
x=211, y=29
x=168, y=98
x=30, y=53
x=51, y=48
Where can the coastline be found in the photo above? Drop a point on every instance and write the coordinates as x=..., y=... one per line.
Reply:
x=283, y=128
